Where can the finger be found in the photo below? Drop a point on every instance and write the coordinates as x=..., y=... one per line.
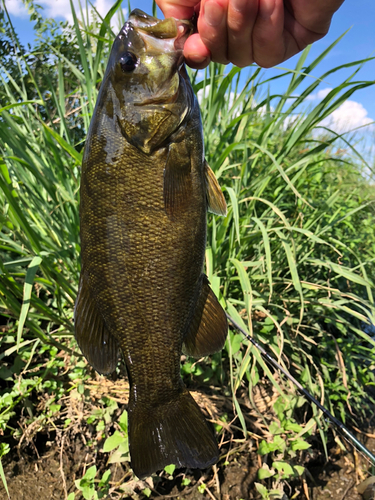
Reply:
x=196, y=53
x=176, y=8
x=268, y=34
x=240, y=20
x=212, y=27
x=314, y=16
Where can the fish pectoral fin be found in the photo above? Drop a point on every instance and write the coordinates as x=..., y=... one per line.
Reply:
x=98, y=346
x=177, y=179
x=215, y=198
x=209, y=326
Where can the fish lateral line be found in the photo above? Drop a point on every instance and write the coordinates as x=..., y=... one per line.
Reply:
x=345, y=432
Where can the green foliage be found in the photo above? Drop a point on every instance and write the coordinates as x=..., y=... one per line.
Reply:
x=4, y=449
x=288, y=440
x=92, y=489
x=169, y=469
x=118, y=442
x=294, y=254
x=292, y=261
x=202, y=488
x=273, y=494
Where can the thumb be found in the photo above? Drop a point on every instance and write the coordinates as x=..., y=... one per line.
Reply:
x=180, y=9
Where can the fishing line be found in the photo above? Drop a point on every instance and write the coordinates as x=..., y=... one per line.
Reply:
x=344, y=430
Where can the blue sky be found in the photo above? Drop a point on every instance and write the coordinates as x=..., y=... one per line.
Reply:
x=358, y=43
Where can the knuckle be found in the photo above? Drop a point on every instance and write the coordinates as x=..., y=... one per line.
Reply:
x=242, y=60
x=268, y=54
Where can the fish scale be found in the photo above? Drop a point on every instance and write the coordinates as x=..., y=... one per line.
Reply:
x=133, y=244
x=145, y=191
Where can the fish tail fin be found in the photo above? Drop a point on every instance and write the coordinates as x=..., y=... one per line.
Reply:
x=171, y=433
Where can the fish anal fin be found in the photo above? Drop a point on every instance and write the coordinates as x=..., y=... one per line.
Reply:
x=177, y=179
x=215, y=198
x=175, y=432
x=98, y=346
x=209, y=326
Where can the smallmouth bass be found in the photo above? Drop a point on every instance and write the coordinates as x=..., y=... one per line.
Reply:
x=145, y=192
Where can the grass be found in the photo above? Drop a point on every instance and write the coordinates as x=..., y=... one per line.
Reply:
x=292, y=261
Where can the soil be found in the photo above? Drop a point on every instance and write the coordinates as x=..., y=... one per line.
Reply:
x=52, y=475
x=46, y=463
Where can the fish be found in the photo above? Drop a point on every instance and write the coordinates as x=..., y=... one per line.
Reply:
x=144, y=195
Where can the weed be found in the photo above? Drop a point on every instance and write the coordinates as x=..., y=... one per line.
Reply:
x=292, y=262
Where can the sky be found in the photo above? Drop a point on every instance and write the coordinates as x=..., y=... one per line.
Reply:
x=359, y=43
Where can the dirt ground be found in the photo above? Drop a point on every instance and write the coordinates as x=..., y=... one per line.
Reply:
x=45, y=464
x=51, y=475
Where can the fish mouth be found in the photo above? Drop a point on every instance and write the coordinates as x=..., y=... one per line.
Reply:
x=165, y=29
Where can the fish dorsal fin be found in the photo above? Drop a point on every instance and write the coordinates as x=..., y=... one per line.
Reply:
x=215, y=197
x=177, y=179
x=98, y=346
x=209, y=327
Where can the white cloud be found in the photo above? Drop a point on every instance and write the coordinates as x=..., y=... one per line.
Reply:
x=61, y=8
x=200, y=75
x=16, y=8
x=348, y=116
x=321, y=94
x=290, y=120
x=203, y=93
x=103, y=6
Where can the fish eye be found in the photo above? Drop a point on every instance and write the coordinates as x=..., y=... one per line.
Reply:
x=128, y=62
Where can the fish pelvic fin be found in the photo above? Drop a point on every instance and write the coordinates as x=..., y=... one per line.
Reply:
x=171, y=433
x=215, y=198
x=98, y=346
x=208, y=328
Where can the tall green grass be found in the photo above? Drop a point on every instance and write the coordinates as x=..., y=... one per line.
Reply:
x=297, y=244
x=292, y=261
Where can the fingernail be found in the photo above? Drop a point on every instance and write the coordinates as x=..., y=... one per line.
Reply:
x=213, y=13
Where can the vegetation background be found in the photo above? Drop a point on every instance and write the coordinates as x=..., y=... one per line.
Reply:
x=292, y=263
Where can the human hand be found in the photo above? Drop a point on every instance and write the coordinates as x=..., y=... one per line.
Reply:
x=241, y=32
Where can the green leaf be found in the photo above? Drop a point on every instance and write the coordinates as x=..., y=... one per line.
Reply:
x=299, y=444
x=89, y=493
x=276, y=494
x=65, y=145
x=24, y=103
x=233, y=199
x=275, y=429
x=90, y=473
x=262, y=490
x=2, y=475
x=123, y=421
x=121, y=454
x=105, y=479
x=169, y=469
x=29, y=280
x=264, y=472
x=113, y=441
x=202, y=488
x=291, y=426
x=283, y=468
x=265, y=448
x=235, y=340
x=299, y=469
